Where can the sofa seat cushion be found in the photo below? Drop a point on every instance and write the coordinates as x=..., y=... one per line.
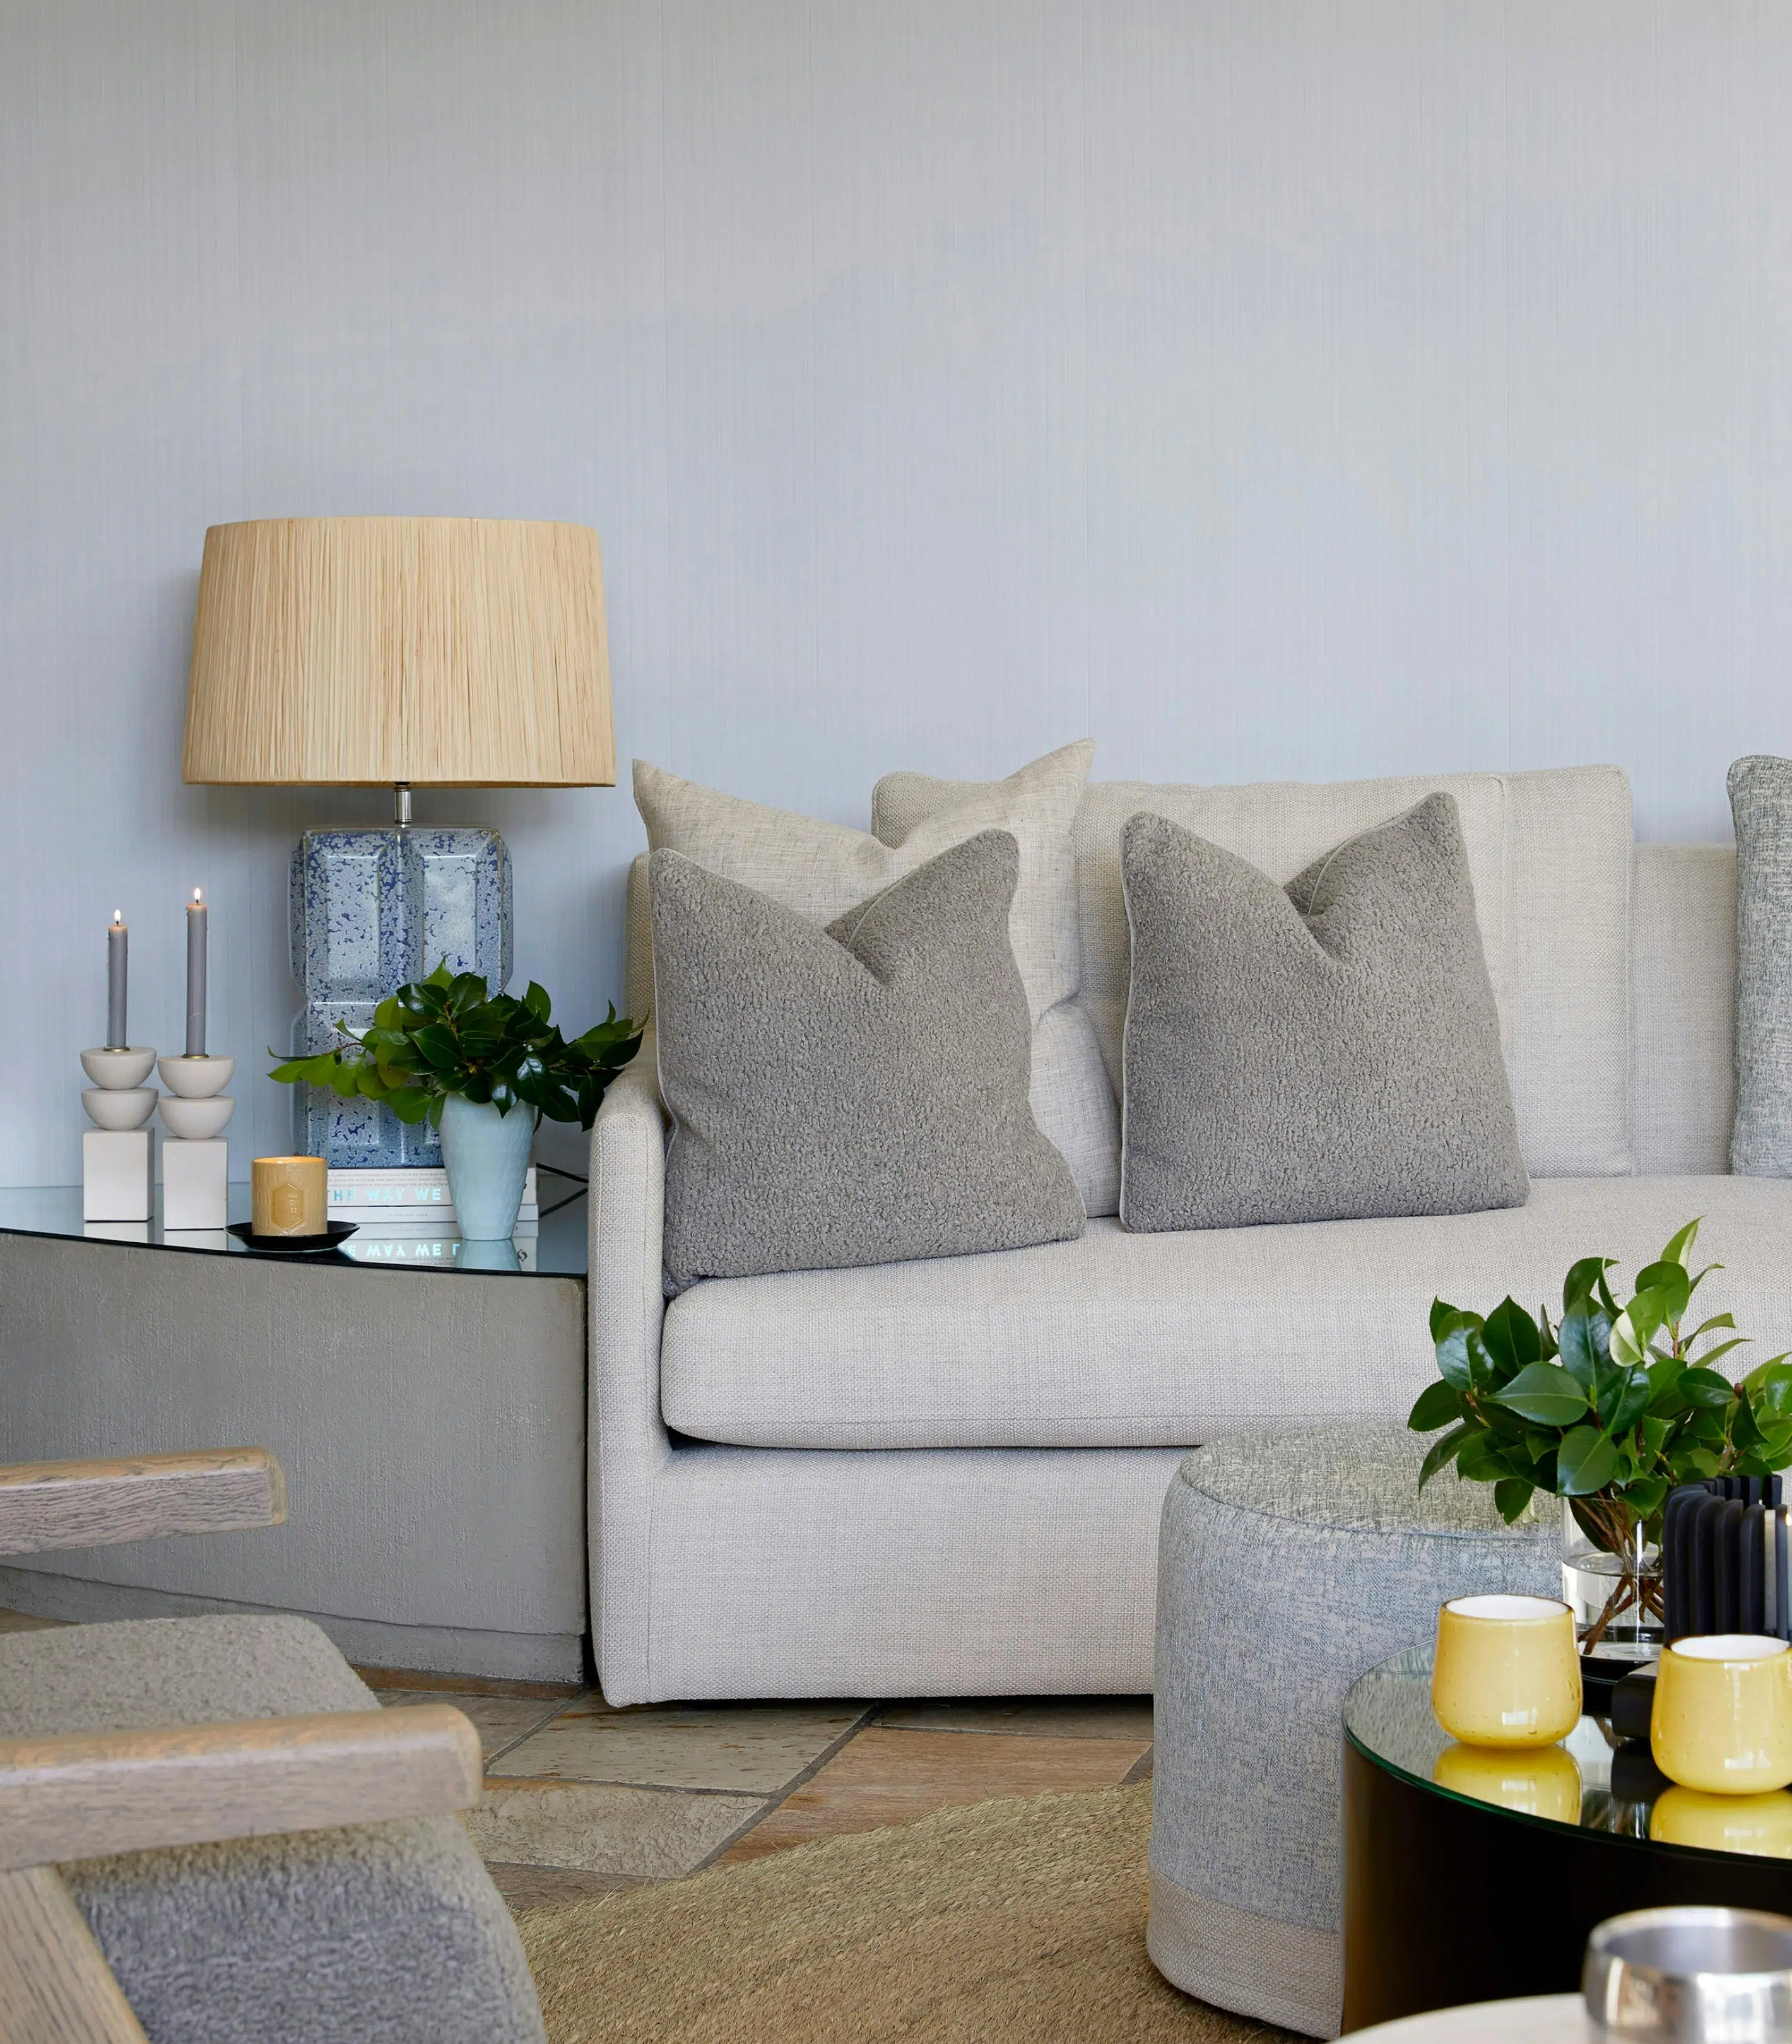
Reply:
x=1122, y=1340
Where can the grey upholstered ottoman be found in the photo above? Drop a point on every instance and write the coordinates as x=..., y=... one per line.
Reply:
x=1288, y=1565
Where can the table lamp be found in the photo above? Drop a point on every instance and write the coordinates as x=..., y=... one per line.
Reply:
x=402, y=653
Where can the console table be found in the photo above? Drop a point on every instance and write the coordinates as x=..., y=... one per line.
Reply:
x=426, y=1398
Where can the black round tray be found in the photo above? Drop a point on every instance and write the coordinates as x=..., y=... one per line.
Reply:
x=293, y=1245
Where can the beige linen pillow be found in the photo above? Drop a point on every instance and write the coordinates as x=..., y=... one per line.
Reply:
x=819, y=870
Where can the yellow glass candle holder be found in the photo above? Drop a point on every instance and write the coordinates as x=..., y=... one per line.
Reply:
x=1542, y=1783
x=1722, y=1716
x=1759, y=1824
x=1506, y=1672
x=289, y=1195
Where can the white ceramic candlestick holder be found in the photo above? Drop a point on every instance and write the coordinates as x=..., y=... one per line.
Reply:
x=196, y=1077
x=195, y=1184
x=195, y=1160
x=116, y=1071
x=118, y=1152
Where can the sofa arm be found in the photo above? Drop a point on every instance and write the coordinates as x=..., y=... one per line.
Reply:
x=627, y=1441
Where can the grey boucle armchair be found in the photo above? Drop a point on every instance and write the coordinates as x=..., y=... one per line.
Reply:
x=209, y=1830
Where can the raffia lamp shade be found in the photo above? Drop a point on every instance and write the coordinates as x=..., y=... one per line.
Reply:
x=430, y=652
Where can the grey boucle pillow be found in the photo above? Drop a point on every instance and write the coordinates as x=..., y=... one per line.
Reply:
x=851, y=1095
x=1761, y=806
x=1327, y=1052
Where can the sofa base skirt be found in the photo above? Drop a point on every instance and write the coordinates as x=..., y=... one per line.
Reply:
x=750, y=1572
x=437, y=1650
x=1254, y=1965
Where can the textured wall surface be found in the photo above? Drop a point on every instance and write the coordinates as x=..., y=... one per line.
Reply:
x=431, y=1428
x=1305, y=388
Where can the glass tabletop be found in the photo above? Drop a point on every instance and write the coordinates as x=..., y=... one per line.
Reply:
x=1593, y=1781
x=555, y=1247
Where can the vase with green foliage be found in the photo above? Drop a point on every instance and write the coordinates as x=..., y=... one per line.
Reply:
x=446, y=1039
x=1609, y=1409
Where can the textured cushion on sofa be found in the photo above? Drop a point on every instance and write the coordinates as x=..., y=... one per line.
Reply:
x=852, y=1095
x=392, y=1929
x=1327, y=1051
x=1122, y=1340
x=819, y=869
x=1549, y=854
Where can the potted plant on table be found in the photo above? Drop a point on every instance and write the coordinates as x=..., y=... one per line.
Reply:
x=485, y=1068
x=1608, y=1409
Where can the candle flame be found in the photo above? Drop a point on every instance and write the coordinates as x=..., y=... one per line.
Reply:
x=117, y=919
x=197, y=895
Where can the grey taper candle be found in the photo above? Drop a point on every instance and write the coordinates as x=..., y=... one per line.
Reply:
x=117, y=964
x=196, y=975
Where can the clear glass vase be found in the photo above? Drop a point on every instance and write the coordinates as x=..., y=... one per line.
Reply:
x=1616, y=1598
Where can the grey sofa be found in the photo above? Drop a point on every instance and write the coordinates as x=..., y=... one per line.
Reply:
x=945, y=1476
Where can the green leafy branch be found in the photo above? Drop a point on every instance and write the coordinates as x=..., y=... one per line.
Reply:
x=447, y=1034
x=1611, y=1407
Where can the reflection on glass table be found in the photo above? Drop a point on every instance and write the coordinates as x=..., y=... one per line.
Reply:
x=1593, y=1781
x=557, y=1249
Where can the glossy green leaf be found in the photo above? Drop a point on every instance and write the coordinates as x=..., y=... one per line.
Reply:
x=1545, y=1393
x=1511, y=1338
x=1635, y=1328
x=1481, y=1459
x=1679, y=1248
x=1627, y=1401
x=1585, y=1336
x=1582, y=1280
x=1585, y=1463
x=1444, y=1451
x=1511, y=1496
x=1705, y=1389
x=1452, y=1356
x=1671, y=1283
x=1436, y=1406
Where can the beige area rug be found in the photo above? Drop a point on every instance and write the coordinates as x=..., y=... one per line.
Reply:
x=1022, y=1919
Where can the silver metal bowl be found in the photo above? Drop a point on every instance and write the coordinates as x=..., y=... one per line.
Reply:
x=1694, y=1976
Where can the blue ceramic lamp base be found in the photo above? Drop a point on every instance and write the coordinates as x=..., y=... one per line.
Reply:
x=371, y=909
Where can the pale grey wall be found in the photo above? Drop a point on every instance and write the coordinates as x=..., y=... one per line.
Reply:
x=1269, y=387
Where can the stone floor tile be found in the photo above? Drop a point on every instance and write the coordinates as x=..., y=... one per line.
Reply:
x=527, y=1890
x=19, y=1621
x=758, y=1748
x=500, y=1721
x=889, y=1777
x=599, y=1828
x=1040, y=1717
x=469, y=1685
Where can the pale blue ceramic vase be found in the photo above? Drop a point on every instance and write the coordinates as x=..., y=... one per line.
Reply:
x=487, y=1154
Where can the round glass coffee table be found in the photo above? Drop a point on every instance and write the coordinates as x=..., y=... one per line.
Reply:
x=1473, y=1875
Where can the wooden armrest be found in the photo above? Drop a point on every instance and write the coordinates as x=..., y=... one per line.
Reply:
x=88, y=1794
x=137, y=1497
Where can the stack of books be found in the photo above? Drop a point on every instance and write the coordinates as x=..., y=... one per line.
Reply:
x=415, y=1205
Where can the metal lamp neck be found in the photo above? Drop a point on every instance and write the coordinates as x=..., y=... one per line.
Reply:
x=401, y=792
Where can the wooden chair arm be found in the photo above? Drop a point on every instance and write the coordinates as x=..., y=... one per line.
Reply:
x=91, y=1793
x=137, y=1497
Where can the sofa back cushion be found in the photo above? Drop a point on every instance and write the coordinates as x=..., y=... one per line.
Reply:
x=1549, y=855
x=1683, y=1007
